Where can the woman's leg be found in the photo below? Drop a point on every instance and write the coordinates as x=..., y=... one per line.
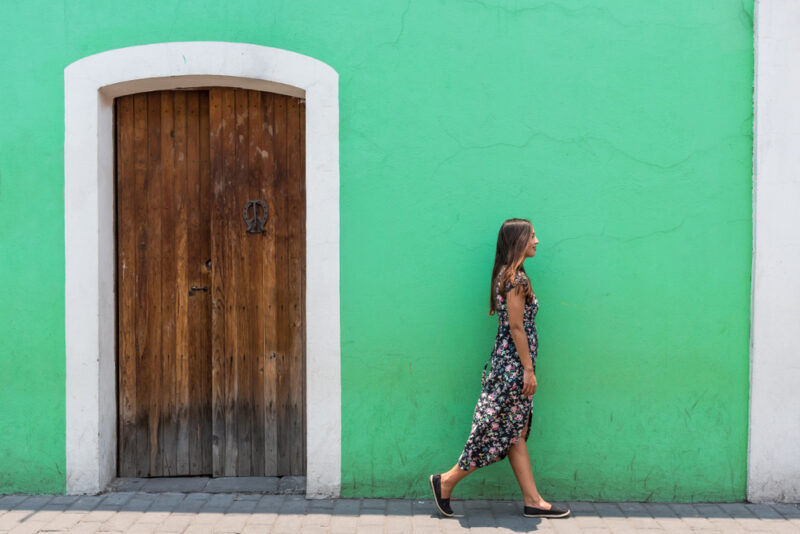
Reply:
x=521, y=464
x=451, y=478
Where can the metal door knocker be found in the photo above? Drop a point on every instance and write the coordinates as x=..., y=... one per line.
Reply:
x=255, y=224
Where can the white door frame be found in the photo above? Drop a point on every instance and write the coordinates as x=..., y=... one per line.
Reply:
x=773, y=456
x=90, y=86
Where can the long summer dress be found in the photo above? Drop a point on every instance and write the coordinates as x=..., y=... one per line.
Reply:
x=502, y=411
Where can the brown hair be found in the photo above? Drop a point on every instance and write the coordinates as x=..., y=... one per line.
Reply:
x=512, y=240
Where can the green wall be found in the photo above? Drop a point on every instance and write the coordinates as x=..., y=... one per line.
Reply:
x=622, y=129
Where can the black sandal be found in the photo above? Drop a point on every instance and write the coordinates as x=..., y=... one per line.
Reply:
x=442, y=504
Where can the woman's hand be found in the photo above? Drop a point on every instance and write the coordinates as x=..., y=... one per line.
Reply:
x=529, y=382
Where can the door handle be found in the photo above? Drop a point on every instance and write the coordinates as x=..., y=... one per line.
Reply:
x=197, y=288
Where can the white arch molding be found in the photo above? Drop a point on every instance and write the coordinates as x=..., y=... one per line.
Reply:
x=90, y=86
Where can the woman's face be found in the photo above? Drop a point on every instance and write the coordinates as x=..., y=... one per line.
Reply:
x=531, y=250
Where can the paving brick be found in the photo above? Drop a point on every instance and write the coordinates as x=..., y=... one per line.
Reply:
x=232, y=522
x=166, y=502
x=346, y=506
x=86, y=503
x=218, y=502
x=115, y=501
x=7, y=502
x=34, y=502
x=43, y=515
x=789, y=511
x=99, y=515
x=608, y=509
x=371, y=518
x=121, y=521
x=141, y=528
x=294, y=504
x=342, y=524
x=207, y=518
x=317, y=519
x=399, y=524
x=398, y=507
x=373, y=504
x=64, y=521
x=287, y=524
x=85, y=527
x=175, y=523
x=735, y=509
x=763, y=511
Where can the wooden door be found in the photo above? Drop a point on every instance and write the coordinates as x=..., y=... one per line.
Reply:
x=211, y=333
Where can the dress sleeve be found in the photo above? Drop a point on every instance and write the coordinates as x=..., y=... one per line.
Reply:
x=519, y=280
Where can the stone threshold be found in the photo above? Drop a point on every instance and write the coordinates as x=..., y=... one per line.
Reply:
x=286, y=485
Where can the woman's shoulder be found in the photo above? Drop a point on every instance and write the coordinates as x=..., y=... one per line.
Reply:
x=514, y=280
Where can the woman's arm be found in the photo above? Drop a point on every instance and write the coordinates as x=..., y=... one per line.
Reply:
x=515, y=300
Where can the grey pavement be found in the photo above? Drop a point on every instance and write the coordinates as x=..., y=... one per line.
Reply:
x=140, y=512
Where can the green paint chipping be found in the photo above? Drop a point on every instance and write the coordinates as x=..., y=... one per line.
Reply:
x=622, y=129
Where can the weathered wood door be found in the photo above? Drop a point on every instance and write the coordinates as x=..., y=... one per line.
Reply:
x=210, y=316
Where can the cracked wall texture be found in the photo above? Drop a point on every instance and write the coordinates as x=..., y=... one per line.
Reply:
x=622, y=129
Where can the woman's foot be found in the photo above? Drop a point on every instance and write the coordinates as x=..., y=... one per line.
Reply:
x=542, y=508
x=441, y=503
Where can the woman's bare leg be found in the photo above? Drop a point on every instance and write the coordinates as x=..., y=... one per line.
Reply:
x=451, y=478
x=521, y=464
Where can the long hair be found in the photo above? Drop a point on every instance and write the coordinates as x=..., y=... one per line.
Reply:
x=512, y=240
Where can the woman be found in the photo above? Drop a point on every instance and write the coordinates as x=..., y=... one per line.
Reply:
x=501, y=424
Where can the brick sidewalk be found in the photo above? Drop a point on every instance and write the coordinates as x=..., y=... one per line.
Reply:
x=200, y=513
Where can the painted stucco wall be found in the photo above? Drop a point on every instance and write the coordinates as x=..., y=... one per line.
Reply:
x=622, y=129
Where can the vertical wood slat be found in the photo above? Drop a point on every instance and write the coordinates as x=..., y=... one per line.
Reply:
x=167, y=428
x=303, y=240
x=199, y=274
x=139, y=313
x=244, y=297
x=126, y=286
x=204, y=364
x=271, y=194
x=182, y=286
x=256, y=190
x=152, y=289
x=282, y=281
x=296, y=261
x=219, y=303
x=231, y=281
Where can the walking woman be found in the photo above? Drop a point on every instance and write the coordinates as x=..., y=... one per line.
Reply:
x=501, y=424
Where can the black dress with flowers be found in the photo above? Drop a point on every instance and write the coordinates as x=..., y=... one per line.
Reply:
x=502, y=410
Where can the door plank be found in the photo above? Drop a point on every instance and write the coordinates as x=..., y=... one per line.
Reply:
x=269, y=330
x=204, y=325
x=151, y=292
x=241, y=242
x=181, y=287
x=282, y=281
x=139, y=314
x=257, y=190
x=167, y=428
x=219, y=270
x=296, y=308
x=126, y=286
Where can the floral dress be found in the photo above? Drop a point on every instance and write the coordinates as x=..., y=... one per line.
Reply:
x=502, y=411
